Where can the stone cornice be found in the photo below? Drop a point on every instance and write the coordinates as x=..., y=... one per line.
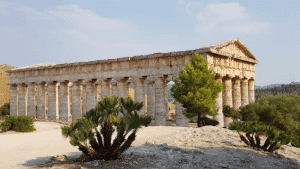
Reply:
x=137, y=57
x=234, y=56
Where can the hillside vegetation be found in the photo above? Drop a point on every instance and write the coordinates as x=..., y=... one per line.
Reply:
x=4, y=87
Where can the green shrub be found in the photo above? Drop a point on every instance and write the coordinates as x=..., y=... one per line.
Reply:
x=230, y=112
x=105, y=114
x=205, y=121
x=5, y=109
x=276, y=117
x=12, y=120
x=24, y=124
x=18, y=123
x=5, y=125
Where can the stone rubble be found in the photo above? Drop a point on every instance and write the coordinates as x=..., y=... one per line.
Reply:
x=209, y=147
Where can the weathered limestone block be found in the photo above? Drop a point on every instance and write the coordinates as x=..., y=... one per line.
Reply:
x=251, y=91
x=41, y=111
x=219, y=104
x=105, y=88
x=236, y=90
x=151, y=100
x=127, y=89
x=160, y=109
x=76, y=112
x=227, y=97
x=84, y=102
x=63, y=101
x=244, y=92
x=121, y=87
x=22, y=98
x=30, y=100
x=180, y=119
x=90, y=95
x=69, y=99
x=165, y=85
x=52, y=101
x=140, y=93
x=14, y=100
x=114, y=87
x=96, y=94
x=57, y=102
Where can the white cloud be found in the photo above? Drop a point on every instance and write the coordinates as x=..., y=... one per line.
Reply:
x=191, y=4
x=180, y=1
x=230, y=17
x=86, y=20
x=67, y=34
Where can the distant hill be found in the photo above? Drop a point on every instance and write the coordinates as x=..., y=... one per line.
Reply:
x=4, y=87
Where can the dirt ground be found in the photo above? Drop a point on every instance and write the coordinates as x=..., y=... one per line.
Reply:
x=126, y=161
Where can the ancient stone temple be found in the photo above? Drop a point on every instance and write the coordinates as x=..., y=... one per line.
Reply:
x=233, y=63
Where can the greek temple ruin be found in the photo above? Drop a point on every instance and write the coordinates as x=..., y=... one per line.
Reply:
x=231, y=60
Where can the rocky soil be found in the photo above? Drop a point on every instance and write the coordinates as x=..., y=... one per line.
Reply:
x=205, y=147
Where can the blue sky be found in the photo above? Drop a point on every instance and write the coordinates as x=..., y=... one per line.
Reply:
x=63, y=31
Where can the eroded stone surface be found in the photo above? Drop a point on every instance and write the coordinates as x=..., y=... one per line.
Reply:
x=207, y=147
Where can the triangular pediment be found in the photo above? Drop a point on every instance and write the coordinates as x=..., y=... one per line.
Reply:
x=233, y=46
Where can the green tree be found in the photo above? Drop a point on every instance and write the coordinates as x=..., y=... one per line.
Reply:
x=277, y=117
x=197, y=89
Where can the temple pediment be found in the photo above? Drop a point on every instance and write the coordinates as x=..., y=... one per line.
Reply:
x=233, y=46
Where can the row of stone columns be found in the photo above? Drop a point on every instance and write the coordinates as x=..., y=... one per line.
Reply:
x=237, y=92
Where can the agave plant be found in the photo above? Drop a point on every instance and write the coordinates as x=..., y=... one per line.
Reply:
x=105, y=114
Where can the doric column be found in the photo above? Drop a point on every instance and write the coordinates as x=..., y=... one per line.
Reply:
x=139, y=84
x=41, y=111
x=251, y=91
x=219, y=104
x=151, y=100
x=57, y=101
x=96, y=94
x=227, y=96
x=127, y=88
x=244, y=92
x=52, y=101
x=114, y=87
x=84, y=102
x=13, y=99
x=180, y=119
x=30, y=100
x=121, y=87
x=76, y=112
x=105, y=88
x=22, y=96
x=160, y=109
x=236, y=93
x=90, y=95
x=63, y=101
x=69, y=99
x=165, y=85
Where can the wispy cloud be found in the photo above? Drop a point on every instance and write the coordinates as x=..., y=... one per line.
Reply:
x=191, y=4
x=180, y=1
x=72, y=31
x=228, y=17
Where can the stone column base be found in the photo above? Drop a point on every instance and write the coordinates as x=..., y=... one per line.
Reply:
x=227, y=121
